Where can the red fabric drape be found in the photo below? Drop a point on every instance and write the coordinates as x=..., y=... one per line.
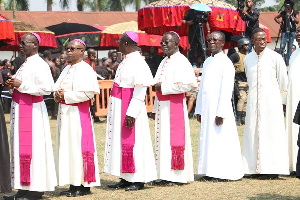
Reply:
x=47, y=40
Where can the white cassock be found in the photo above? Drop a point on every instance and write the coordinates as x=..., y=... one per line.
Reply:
x=176, y=76
x=219, y=153
x=133, y=72
x=80, y=84
x=293, y=97
x=265, y=147
x=36, y=80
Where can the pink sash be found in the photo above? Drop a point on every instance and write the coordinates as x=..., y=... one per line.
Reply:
x=177, y=128
x=25, y=102
x=87, y=141
x=128, y=135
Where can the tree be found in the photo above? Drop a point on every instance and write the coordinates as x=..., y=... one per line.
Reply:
x=20, y=5
x=279, y=7
x=49, y=5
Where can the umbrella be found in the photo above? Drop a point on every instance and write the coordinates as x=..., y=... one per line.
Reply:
x=65, y=32
x=6, y=30
x=21, y=28
x=111, y=35
x=167, y=15
x=201, y=7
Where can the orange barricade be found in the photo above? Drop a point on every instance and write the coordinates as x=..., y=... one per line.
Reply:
x=102, y=100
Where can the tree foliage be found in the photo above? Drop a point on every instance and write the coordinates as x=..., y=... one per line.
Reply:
x=20, y=5
x=279, y=6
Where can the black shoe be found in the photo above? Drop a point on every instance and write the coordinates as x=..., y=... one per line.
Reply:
x=253, y=176
x=31, y=195
x=205, y=178
x=79, y=191
x=71, y=189
x=135, y=187
x=243, y=117
x=238, y=118
x=293, y=173
x=160, y=182
x=122, y=184
x=268, y=176
x=174, y=183
x=220, y=180
x=19, y=194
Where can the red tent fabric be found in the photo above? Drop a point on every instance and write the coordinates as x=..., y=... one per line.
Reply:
x=111, y=35
x=266, y=29
x=6, y=30
x=21, y=28
x=162, y=16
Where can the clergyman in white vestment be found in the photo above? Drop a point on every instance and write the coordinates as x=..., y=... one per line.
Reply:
x=265, y=145
x=293, y=97
x=128, y=146
x=173, y=150
x=219, y=155
x=75, y=150
x=32, y=165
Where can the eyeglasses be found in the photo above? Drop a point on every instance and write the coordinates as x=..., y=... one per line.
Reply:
x=72, y=48
x=212, y=39
x=165, y=42
x=23, y=43
x=260, y=40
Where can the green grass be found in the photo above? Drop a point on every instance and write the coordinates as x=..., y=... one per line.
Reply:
x=284, y=188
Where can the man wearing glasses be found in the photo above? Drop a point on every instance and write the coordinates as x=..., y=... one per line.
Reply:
x=128, y=145
x=32, y=165
x=173, y=150
x=265, y=148
x=75, y=152
x=219, y=156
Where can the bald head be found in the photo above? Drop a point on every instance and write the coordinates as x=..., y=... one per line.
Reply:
x=29, y=45
x=75, y=52
x=91, y=54
x=126, y=44
x=174, y=35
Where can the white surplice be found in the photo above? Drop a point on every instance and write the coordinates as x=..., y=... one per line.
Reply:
x=265, y=146
x=293, y=98
x=80, y=84
x=219, y=153
x=176, y=76
x=36, y=80
x=133, y=72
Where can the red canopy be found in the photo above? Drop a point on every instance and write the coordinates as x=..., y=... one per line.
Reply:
x=21, y=28
x=167, y=15
x=266, y=29
x=111, y=35
x=6, y=30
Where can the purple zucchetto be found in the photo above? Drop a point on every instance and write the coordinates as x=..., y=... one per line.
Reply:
x=133, y=36
x=81, y=41
x=37, y=36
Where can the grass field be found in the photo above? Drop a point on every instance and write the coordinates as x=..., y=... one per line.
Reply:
x=284, y=188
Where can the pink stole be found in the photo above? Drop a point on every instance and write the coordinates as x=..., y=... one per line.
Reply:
x=25, y=102
x=87, y=141
x=177, y=128
x=128, y=135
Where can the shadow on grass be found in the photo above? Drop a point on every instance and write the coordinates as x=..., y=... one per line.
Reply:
x=272, y=197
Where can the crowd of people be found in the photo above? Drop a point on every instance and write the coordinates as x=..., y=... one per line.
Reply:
x=70, y=80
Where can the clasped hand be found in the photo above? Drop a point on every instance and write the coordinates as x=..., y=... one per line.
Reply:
x=13, y=83
x=59, y=95
x=129, y=121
